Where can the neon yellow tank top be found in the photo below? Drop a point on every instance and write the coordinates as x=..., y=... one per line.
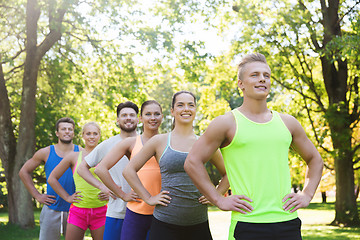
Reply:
x=256, y=163
x=90, y=194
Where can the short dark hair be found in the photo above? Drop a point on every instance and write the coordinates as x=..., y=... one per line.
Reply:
x=127, y=104
x=66, y=120
x=149, y=102
x=252, y=57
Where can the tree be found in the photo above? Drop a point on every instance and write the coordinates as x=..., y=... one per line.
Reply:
x=305, y=47
x=16, y=149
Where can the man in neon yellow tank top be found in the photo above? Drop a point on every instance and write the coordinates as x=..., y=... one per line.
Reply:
x=255, y=141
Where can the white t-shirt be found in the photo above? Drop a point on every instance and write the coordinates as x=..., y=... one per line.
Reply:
x=117, y=207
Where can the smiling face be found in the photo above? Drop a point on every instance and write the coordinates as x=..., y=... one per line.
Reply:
x=127, y=120
x=151, y=117
x=184, y=109
x=255, y=80
x=91, y=135
x=65, y=132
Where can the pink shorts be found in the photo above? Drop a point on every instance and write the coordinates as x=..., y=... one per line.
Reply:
x=85, y=218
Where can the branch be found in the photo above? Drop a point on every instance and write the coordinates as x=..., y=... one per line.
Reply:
x=313, y=36
x=15, y=56
x=15, y=68
x=349, y=11
x=54, y=34
x=328, y=167
x=71, y=61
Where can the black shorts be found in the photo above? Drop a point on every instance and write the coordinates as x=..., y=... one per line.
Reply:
x=165, y=231
x=288, y=230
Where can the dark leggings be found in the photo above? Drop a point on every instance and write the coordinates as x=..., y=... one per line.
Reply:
x=136, y=226
x=164, y=231
x=289, y=230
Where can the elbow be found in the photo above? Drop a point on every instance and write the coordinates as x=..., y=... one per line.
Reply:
x=126, y=173
x=188, y=165
x=51, y=180
x=97, y=171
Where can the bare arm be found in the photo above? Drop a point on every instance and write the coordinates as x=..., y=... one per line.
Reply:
x=84, y=171
x=130, y=174
x=26, y=172
x=102, y=169
x=224, y=185
x=200, y=153
x=302, y=144
x=68, y=161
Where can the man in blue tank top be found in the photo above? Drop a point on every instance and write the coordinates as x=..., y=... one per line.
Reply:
x=55, y=209
x=254, y=141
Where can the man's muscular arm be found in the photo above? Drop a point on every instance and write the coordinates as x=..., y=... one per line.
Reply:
x=25, y=174
x=204, y=148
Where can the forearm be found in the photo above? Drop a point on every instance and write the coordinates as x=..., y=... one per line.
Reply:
x=224, y=185
x=29, y=184
x=313, y=176
x=134, y=181
x=108, y=181
x=54, y=183
x=198, y=174
x=84, y=172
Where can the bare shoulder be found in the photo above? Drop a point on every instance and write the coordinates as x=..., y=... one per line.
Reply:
x=223, y=121
x=159, y=138
x=42, y=154
x=291, y=122
x=129, y=141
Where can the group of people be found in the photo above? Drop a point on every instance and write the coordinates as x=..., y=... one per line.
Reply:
x=163, y=191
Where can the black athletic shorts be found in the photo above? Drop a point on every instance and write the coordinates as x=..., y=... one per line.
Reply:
x=288, y=230
x=164, y=231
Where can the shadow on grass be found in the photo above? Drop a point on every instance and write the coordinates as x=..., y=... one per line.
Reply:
x=321, y=206
x=325, y=232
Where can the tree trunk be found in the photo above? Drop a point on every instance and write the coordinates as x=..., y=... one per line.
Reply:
x=335, y=73
x=345, y=205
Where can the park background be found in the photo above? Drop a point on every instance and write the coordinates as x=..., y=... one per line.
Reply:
x=80, y=58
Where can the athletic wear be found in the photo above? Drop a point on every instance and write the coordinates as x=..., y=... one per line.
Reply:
x=165, y=231
x=90, y=198
x=150, y=177
x=136, y=226
x=288, y=230
x=53, y=217
x=257, y=166
x=66, y=180
x=52, y=223
x=84, y=218
x=256, y=163
x=184, y=208
x=113, y=227
x=117, y=207
x=138, y=215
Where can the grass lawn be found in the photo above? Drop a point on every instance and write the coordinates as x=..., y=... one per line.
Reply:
x=315, y=225
x=12, y=232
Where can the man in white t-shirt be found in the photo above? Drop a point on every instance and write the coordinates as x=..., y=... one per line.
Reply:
x=127, y=120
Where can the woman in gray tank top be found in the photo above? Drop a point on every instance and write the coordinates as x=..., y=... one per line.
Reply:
x=180, y=212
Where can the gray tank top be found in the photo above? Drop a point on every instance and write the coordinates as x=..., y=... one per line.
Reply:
x=184, y=208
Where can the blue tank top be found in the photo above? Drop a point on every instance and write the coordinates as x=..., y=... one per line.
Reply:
x=184, y=208
x=66, y=180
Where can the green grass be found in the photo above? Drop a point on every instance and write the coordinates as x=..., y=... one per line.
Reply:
x=14, y=232
x=316, y=219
